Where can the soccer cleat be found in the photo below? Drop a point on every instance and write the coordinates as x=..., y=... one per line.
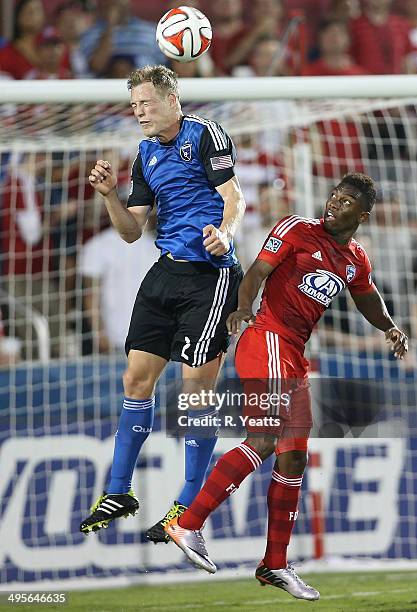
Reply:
x=107, y=508
x=287, y=580
x=157, y=533
x=192, y=544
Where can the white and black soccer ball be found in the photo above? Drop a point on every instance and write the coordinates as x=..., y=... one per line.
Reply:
x=183, y=34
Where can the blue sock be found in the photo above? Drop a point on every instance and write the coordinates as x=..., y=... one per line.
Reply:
x=135, y=425
x=199, y=446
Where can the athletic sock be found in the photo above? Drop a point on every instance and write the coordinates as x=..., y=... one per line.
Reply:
x=225, y=478
x=135, y=425
x=199, y=446
x=283, y=494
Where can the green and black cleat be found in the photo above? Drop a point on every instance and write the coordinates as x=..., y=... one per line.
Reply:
x=157, y=533
x=107, y=508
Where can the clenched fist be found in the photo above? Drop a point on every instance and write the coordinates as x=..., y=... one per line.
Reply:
x=102, y=178
x=215, y=241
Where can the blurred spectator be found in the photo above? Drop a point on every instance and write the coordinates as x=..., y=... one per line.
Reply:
x=25, y=248
x=119, y=67
x=334, y=45
x=199, y=68
x=229, y=34
x=343, y=10
x=235, y=43
x=10, y=346
x=272, y=205
x=112, y=272
x=379, y=39
x=71, y=21
x=411, y=16
x=20, y=57
x=394, y=260
x=118, y=32
x=268, y=59
x=51, y=54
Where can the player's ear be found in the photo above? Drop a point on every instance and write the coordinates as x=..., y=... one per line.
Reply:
x=172, y=99
x=364, y=216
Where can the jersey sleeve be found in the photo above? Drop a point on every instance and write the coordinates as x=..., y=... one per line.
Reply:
x=362, y=283
x=140, y=192
x=218, y=154
x=282, y=240
x=275, y=250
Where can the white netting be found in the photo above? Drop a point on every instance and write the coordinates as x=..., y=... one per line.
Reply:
x=63, y=275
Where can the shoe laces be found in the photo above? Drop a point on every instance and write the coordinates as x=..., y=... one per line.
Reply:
x=200, y=539
x=292, y=571
x=172, y=513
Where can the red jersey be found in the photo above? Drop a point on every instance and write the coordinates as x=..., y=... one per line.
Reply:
x=380, y=49
x=311, y=269
x=14, y=63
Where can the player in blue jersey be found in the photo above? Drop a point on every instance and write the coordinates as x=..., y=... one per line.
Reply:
x=184, y=167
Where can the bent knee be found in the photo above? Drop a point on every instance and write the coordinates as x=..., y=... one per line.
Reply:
x=138, y=385
x=264, y=446
x=292, y=463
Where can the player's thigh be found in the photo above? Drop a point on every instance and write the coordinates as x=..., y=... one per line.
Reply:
x=152, y=325
x=272, y=374
x=208, y=300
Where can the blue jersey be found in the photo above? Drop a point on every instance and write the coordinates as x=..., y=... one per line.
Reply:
x=181, y=176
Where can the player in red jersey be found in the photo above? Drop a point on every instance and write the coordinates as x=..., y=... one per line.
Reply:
x=306, y=263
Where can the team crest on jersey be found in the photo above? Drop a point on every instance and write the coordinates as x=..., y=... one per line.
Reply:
x=321, y=286
x=185, y=151
x=350, y=273
x=273, y=245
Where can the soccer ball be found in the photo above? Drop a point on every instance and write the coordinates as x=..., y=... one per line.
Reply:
x=183, y=34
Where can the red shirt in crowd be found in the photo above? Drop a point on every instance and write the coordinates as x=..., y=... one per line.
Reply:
x=380, y=49
x=14, y=63
x=24, y=249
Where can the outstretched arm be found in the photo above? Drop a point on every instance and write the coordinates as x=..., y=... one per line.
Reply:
x=373, y=308
x=248, y=291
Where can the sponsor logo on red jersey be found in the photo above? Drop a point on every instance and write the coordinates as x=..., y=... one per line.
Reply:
x=273, y=245
x=321, y=286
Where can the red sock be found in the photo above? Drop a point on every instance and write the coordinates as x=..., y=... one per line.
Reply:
x=283, y=496
x=225, y=478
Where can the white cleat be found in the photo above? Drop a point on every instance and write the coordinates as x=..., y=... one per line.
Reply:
x=192, y=544
x=287, y=580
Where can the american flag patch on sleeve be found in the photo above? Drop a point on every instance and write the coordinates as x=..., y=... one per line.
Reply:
x=219, y=163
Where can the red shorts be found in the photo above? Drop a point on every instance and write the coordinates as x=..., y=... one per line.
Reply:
x=272, y=369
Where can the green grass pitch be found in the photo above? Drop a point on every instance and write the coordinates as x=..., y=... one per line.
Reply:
x=350, y=592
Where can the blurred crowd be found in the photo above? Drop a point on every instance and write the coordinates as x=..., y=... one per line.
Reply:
x=107, y=38
x=64, y=269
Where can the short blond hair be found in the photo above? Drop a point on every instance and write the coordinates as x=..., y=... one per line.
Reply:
x=161, y=77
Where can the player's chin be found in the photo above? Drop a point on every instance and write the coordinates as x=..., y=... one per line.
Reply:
x=329, y=225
